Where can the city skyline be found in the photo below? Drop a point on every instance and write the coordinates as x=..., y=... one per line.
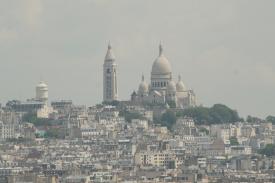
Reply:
x=219, y=48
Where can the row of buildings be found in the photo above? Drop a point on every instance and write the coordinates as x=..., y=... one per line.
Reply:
x=100, y=145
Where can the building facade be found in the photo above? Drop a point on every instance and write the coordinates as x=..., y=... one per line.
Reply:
x=7, y=131
x=162, y=89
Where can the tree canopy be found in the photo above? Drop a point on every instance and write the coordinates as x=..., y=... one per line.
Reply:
x=172, y=104
x=57, y=133
x=216, y=114
x=112, y=103
x=270, y=119
x=168, y=119
x=252, y=119
x=268, y=150
x=234, y=141
x=130, y=115
x=32, y=118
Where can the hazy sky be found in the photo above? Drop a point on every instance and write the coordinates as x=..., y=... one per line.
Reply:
x=224, y=50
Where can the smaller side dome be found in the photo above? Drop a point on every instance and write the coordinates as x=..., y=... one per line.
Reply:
x=143, y=87
x=171, y=87
x=180, y=86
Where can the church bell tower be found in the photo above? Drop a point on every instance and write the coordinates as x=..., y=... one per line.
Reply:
x=110, y=77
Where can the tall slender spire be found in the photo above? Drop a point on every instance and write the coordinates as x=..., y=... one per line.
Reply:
x=160, y=49
x=109, y=45
x=110, y=90
x=179, y=77
x=109, y=55
x=142, y=77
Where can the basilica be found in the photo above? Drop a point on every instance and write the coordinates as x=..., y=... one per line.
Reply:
x=162, y=88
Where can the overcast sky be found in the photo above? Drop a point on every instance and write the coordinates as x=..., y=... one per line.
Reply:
x=224, y=50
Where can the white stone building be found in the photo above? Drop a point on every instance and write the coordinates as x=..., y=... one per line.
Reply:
x=110, y=90
x=159, y=159
x=7, y=130
x=42, y=95
x=162, y=89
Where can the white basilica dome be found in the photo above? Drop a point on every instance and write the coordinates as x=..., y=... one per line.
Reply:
x=180, y=86
x=143, y=87
x=171, y=87
x=161, y=65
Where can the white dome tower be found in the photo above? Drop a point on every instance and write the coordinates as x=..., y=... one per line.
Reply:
x=42, y=92
x=143, y=88
x=180, y=85
x=110, y=92
x=161, y=72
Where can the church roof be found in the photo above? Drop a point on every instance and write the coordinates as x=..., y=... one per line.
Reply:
x=171, y=87
x=110, y=54
x=42, y=84
x=143, y=86
x=161, y=65
x=180, y=86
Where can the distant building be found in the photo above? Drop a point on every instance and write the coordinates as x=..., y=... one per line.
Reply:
x=162, y=89
x=110, y=90
x=42, y=92
x=7, y=131
x=159, y=159
x=61, y=105
x=38, y=105
x=27, y=106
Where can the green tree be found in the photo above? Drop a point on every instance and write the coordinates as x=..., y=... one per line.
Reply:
x=55, y=133
x=168, y=119
x=252, y=119
x=270, y=119
x=200, y=114
x=130, y=115
x=204, y=130
x=217, y=114
x=268, y=150
x=222, y=114
x=172, y=104
x=112, y=103
x=234, y=141
x=32, y=118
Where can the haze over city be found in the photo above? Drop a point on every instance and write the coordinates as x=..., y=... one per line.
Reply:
x=224, y=50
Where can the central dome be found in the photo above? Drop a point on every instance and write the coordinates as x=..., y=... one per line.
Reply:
x=161, y=65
